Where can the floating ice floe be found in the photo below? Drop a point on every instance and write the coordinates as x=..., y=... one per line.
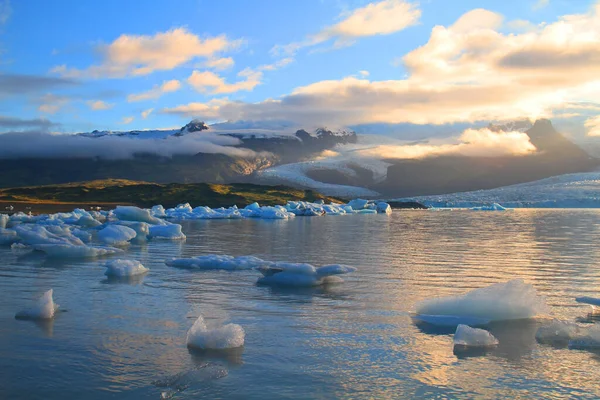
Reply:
x=8, y=236
x=142, y=229
x=216, y=261
x=294, y=274
x=590, y=340
x=132, y=213
x=116, y=235
x=3, y=220
x=514, y=299
x=224, y=337
x=72, y=251
x=124, y=268
x=592, y=301
x=169, y=232
x=491, y=207
x=44, y=309
x=465, y=336
x=558, y=332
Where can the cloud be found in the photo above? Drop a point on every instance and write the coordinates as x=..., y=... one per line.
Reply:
x=539, y=4
x=219, y=64
x=207, y=111
x=377, y=18
x=156, y=91
x=471, y=143
x=13, y=123
x=146, y=113
x=127, y=120
x=363, y=73
x=137, y=55
x=51, y=103
x=98, y=105
x=593, y=126
x=17, y=84
x=467, y=72
x=276, y=65
x=43, y=145
x=5, y=11
x=209, y=82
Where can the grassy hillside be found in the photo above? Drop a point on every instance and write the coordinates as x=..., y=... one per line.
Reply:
x=145, y=194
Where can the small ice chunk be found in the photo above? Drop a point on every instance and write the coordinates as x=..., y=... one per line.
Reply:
x=36, y=234
x=171, y=232
x=557, y=332
x=158, y=211
x=4, y=220
x=384, y=208
x=465, y=336
x=358, y=204
x=142, y=229
x=216, y=261
x=8, y=236
x=71, y=251
x=335, y=269
x=132, y=213
x=225, y=337
x=116, y=235
x=44, y=309
x=514, y=299
x=590, y=340
x=122, y=268
x=300, y=275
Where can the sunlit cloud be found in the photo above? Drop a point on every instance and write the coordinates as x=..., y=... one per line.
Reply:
x=210, y=82
x=136, y=55
x=593, y=126
x=156, y=92
x=98, y=105
x=51, y=103
x=377, y=18
x=146, y=113
x=219, y=64
x=127, y=120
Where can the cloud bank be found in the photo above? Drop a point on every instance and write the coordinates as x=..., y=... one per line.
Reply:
x=44, y=145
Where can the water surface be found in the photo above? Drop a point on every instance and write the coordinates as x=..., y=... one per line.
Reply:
x=126, y=340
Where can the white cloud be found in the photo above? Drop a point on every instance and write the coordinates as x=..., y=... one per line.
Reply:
x=219, y=64
x=97, y=105
x=156, y=92
x=135, y=55
x=467, y=72
x=276, y=65
x=146, y=113
x=593, y=126
x=127, y=120
x=209, y=82
x=363, y=73
x=377, y=18
x=209, y=110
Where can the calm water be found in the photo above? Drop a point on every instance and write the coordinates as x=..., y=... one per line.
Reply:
x=354, y=340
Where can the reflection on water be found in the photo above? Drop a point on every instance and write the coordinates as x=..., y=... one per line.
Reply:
x=356, y=339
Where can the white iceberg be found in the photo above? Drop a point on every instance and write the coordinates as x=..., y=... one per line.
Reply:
x=358, y=204
x=301, y=275
x=36, y=235
x=225, y=337
x=123, y=268
x=170, y=232
x=490, y=207
x=216, y=261
x=510, y=300
x=558, y=332
x=8, y=236
x=142, y=229
x=132, y=213
x=4, y=220
x=72, y=251
x=158, y=211
x=590, y=340
x=116, y=235
x=44, y=309
x=465, y=336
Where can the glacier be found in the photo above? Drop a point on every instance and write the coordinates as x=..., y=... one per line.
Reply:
x=579, y=190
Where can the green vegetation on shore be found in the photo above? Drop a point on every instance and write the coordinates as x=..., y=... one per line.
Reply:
x=145, y=194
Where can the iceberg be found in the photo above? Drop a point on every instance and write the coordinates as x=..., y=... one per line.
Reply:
x=592, y=301
x=116, y=235
x=8, y=236
x=36, y=235
x=358, y=204
x=590, y=340
x=3, y=221
x=215, y=261
x=44, y=309
x=300, y=274
x=465, y=336
x=510, y=300
x=124, y=268
x=491, y=207
x=170, y=232
x=142, y=229
x=558, y=332
x=158, y=211
x=132, y=213
x=225, y=337
x=72, y=251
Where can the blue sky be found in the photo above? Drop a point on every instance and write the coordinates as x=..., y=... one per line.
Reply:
x=49, y=47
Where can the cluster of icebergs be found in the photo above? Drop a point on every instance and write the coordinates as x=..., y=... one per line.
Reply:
x=290, y=210
x=512, y=300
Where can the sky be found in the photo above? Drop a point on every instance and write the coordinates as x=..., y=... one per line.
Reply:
x=72, y=66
